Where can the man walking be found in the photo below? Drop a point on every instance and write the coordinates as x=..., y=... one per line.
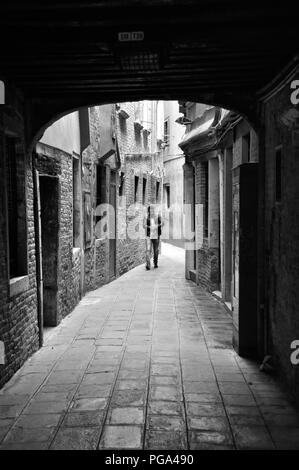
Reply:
x=153, y=229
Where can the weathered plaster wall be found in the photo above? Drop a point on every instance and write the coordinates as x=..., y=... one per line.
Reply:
x=282, y=235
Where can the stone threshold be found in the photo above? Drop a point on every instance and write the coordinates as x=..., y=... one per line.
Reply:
x=218, y=295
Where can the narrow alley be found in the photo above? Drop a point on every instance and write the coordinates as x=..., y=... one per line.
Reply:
x=145, y=362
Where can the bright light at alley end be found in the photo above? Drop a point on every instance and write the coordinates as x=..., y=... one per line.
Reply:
x=2, y=92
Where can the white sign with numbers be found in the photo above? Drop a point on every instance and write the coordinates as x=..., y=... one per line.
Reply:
x=129, y=36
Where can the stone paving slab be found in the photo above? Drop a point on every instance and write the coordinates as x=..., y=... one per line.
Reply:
x=145, y=362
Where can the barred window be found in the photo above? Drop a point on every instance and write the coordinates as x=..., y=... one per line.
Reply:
x=157, y=190
x=136, y=184
x=144, y=191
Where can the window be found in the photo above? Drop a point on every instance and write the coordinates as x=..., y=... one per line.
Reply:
x=112, y=177
x=206, y=198
x=138, y=111
x=145, y=139
x=278, y=175
x=246, y=148
x=121, y=188
x=16, y=209
x=101, y=184
x=167, y=195
x=166, y=131
x=136, y=183
x=76, y=202
x=157, y=190
x=144, y=191
x=101, y=188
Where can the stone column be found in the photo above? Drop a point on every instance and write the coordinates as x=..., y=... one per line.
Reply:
x=214, y=203
x=227, y=225
x=214, y=221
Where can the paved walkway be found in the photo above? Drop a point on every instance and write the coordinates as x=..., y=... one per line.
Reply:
x=145, y=362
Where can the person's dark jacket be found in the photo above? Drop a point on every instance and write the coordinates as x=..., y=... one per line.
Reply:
x=148, y=226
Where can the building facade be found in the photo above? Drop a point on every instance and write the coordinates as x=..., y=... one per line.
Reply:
x=221, y=183
x=173, y=158
x=240, y=182
x=240, y=194
x=78, y=202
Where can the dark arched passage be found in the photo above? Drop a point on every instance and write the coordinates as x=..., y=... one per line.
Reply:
x=46, y=111
x=64, y=56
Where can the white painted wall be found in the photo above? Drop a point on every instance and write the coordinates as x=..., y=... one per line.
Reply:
x=174, y=160
x=160, y=119
x=176, y=131
x=64, y=134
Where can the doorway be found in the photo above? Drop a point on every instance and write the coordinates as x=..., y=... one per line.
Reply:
x=49, y=222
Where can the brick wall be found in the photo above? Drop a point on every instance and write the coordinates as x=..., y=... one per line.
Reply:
x=208, y=262
x=18, y=314
x=101, y=263
x=137, y=159
x=207, y=258
x=130, y=252
x=55, y=162
x=89, y=158
x=96, y=254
